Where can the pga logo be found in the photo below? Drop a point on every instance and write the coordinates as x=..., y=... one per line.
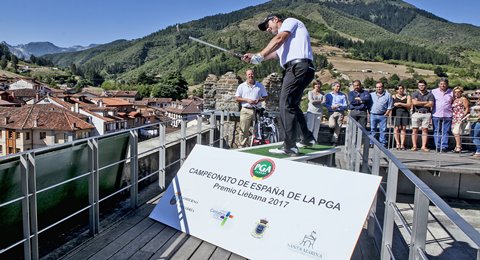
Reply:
x=262, y=169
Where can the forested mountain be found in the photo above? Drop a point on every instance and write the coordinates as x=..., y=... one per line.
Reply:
x=371, y=29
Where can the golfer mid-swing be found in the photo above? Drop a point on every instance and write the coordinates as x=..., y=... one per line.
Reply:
x=291, y=45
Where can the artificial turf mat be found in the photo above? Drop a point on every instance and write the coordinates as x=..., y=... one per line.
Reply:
x=303, y=151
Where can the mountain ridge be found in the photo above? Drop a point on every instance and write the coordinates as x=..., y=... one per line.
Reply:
x=24, y=51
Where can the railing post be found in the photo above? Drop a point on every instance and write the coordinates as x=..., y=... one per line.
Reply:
x=183, y=141
x=358, y=145
x=212, y=129
x=375, y=171
x=366, y=151
x=93, y=195
x=420, y=222
x=388, y=220
x=347, y=138
x=161, y=155
x=28, y=246
x=199, y=129
x=222, y=129
x=352, y=151
x=133, y=168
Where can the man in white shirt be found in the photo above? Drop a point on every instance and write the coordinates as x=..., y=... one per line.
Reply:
x=249, y=94
x=291, y=46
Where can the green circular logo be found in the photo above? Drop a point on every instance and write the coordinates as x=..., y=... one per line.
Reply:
x=262, y=169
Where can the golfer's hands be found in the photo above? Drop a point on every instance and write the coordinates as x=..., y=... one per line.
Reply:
x=253, y=58
x=247, y=57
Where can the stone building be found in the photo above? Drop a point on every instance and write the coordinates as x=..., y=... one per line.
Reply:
x=219, y=93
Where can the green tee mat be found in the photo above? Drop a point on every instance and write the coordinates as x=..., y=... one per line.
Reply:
x=261, y=150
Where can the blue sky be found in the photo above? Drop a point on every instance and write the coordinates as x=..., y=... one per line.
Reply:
x=68, y=22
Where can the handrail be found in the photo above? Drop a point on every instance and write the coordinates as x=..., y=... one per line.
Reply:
x=27, y=169
x=354, y=128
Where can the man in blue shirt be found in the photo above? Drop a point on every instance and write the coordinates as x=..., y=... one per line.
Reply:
x=336, y=103
x=359, y=101
x=382, y=104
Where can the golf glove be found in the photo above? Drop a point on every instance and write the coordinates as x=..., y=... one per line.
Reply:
x=256, y=59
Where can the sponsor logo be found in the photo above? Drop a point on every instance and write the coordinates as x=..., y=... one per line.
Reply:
x=221, y=215
x=262, y=169
x=307, y=246
x=260, y=228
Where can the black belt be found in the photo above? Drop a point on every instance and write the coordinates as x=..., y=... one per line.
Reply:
x=295, y=61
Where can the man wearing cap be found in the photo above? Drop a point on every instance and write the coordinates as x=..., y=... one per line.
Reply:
x=291, y=45
x=249, y=94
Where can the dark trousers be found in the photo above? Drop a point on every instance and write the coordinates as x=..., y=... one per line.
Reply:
x=360, y=116
x=295, y=79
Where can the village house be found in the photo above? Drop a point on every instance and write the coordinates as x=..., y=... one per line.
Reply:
x=40, y=125
x=185, y=108
x=129, y=95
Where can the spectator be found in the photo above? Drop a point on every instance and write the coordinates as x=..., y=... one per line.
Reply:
x=382, y=104
x=359, y=102
x=336, y=103
x=249, y=94
x=475, y=120
x=460, y=109
x=442, y=115
x=315, y=109
x=401, y=115
x=422, y=101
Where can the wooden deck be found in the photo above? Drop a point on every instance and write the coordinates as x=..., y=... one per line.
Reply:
x=136, y=236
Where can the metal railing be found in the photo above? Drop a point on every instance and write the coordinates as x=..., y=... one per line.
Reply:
x=95, y=166
x=357, y=158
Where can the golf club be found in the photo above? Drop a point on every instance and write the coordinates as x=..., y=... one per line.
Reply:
x=238, y=55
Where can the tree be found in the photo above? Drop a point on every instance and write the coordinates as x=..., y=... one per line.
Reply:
x=439, y=72
x=14, y=63
x=143, y=78
x=173, y=86
x=73, y=69
x=3, y=62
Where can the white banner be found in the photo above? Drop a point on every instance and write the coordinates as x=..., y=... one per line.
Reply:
x=266, y=208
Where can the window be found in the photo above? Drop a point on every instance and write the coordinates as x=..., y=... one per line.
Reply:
x=17, y=150
x=27, y=136
x=18, y=135
x=1, y=149
x=10, y=135
x=43, y=135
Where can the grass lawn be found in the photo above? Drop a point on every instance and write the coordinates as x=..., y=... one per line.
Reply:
x=303, y=151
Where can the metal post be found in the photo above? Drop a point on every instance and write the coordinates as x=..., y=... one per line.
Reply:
x=420, y=222
x=133, y=168
x=388, y=220
x=348, y=131
x=353, y=136
x=212, y=129
x=375, y=171
x=199, y=129
x=366, y=151
x=27, y=249
x=222, y=129
x=93, y=186
x=161, y=155
x=183, y=141
x=358, y=145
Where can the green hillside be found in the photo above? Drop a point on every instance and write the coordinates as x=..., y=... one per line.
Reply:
x=170, y=50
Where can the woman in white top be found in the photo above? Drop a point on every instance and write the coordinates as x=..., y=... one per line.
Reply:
x=315, y=108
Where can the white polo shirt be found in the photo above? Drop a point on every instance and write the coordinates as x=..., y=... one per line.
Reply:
x=257, y=91
x=297, y=46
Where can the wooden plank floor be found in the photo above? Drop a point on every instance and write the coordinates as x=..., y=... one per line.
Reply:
x=137, y=236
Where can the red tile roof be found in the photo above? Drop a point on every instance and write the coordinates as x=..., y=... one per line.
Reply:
x=42, y=116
